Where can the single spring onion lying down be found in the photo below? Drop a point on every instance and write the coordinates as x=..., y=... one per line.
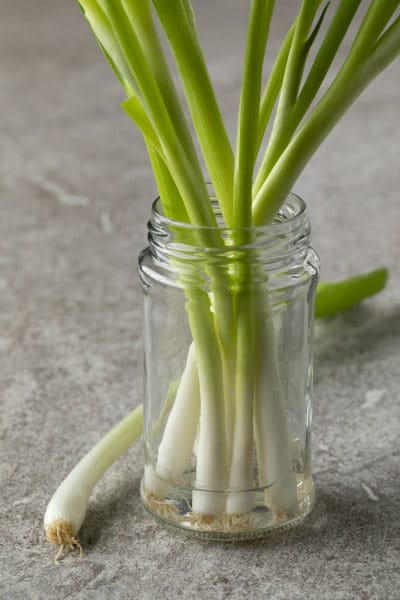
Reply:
x=67, y=508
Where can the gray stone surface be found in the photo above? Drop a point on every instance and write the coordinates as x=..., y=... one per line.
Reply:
x=75, y=193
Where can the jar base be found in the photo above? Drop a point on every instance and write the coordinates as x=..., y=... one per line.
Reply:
x=175, y=511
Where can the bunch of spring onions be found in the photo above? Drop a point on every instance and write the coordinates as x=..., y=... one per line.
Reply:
x=290, y=105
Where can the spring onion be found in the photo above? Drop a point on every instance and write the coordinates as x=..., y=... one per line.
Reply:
x=223, y=382
x=66, y=510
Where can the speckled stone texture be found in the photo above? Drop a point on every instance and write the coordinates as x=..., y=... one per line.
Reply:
x=75, y=193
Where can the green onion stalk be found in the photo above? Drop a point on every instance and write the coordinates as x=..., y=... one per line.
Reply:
x=222, y=385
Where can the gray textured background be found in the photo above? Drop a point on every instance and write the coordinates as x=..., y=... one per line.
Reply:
x=75, y=193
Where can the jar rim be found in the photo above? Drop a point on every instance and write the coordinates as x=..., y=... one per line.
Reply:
x=294, y=204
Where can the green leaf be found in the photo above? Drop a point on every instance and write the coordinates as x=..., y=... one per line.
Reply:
x=338, y=296
x=135, y=111
x=104, y=35
x=300, y=46
x=246, y=147
x=274, y=84
x=201, y=99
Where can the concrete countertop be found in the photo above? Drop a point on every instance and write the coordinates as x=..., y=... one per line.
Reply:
x=75, y=194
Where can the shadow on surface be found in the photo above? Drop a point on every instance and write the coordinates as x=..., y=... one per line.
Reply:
x=112, y=509
x=343, y=519
x=359, y=330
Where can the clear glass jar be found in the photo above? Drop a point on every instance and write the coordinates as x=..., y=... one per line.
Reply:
x=228, y=328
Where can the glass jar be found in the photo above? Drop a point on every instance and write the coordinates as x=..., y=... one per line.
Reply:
x=228, y=329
